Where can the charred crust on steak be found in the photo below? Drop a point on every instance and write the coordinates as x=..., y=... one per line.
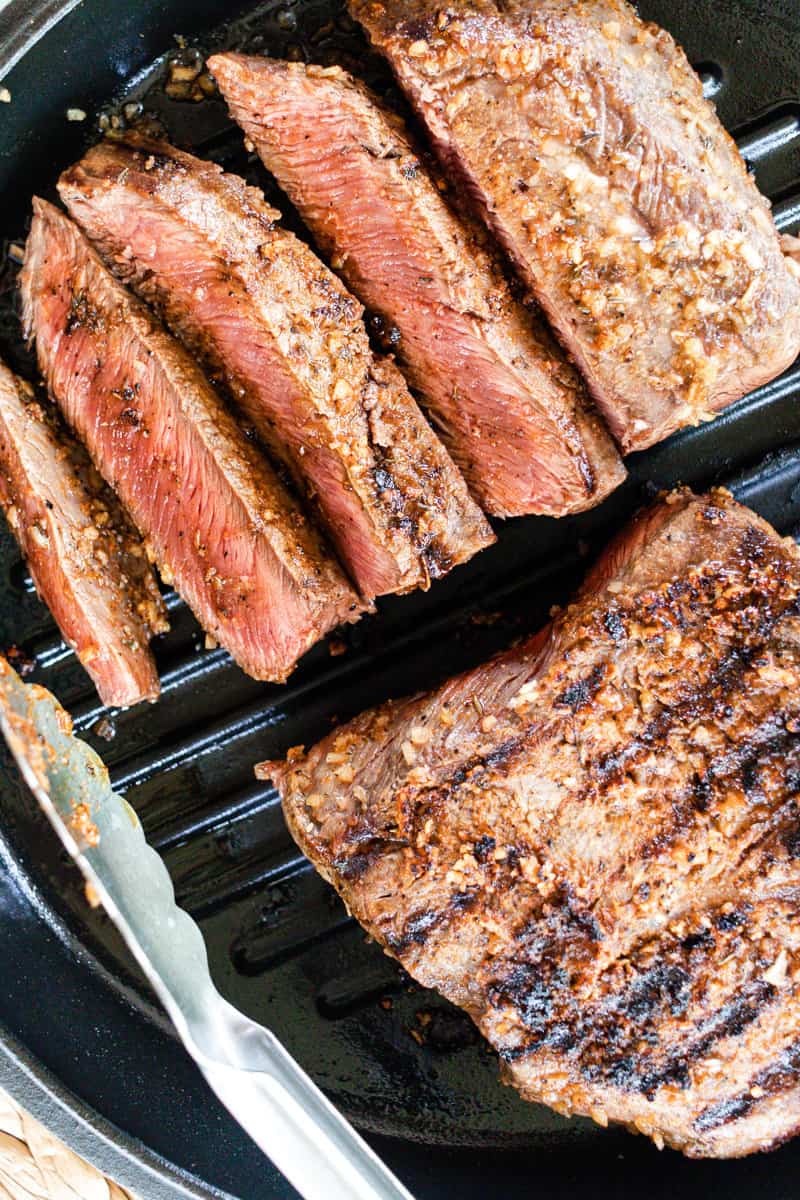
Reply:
x=604, y=875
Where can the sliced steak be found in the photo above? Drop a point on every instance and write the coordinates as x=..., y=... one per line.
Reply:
x=291, y=345
x=585, y=139
x=216, y=518
x=592, y=842
x=513, y=414
x=86, y=560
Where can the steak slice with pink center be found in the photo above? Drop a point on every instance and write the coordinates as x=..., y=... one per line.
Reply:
x=217, y=520
x=290, y=343
x=514, y=415
x=583, y=136
x=86, y=560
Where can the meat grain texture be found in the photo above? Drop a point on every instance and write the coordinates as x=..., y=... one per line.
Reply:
x=216, y=519
x=87, y=562
x=591, y=843
x=584, y=138
x=290, y=343
x=512, y=412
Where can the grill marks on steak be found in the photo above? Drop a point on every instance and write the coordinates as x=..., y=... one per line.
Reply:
x=216, y=519
x=584, y=137
x=87, y=562
x=511, y=411
x=291, y=345
x=590, y=843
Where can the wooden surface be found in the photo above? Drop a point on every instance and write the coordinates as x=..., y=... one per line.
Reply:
x=36, y=1166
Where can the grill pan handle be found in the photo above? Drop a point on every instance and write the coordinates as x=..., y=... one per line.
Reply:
x=254, y=1076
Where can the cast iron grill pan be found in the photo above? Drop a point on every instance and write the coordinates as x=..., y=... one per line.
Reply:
x=400, y=1062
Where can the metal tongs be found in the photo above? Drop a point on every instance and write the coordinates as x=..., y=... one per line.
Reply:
x=256, y=1079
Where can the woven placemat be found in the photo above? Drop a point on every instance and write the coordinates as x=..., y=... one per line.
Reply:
x=34, y=1165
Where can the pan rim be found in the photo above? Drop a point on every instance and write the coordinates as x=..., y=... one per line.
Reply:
x=128, y=1161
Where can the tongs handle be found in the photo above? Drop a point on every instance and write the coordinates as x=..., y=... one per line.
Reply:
x=270, y=1095
x=291, y=1120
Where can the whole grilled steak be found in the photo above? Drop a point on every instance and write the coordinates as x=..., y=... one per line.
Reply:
x=290, y=343
x=87, y=562
x=217, y=520
x=512, y=413
x=585, y=139
x=591, y=843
